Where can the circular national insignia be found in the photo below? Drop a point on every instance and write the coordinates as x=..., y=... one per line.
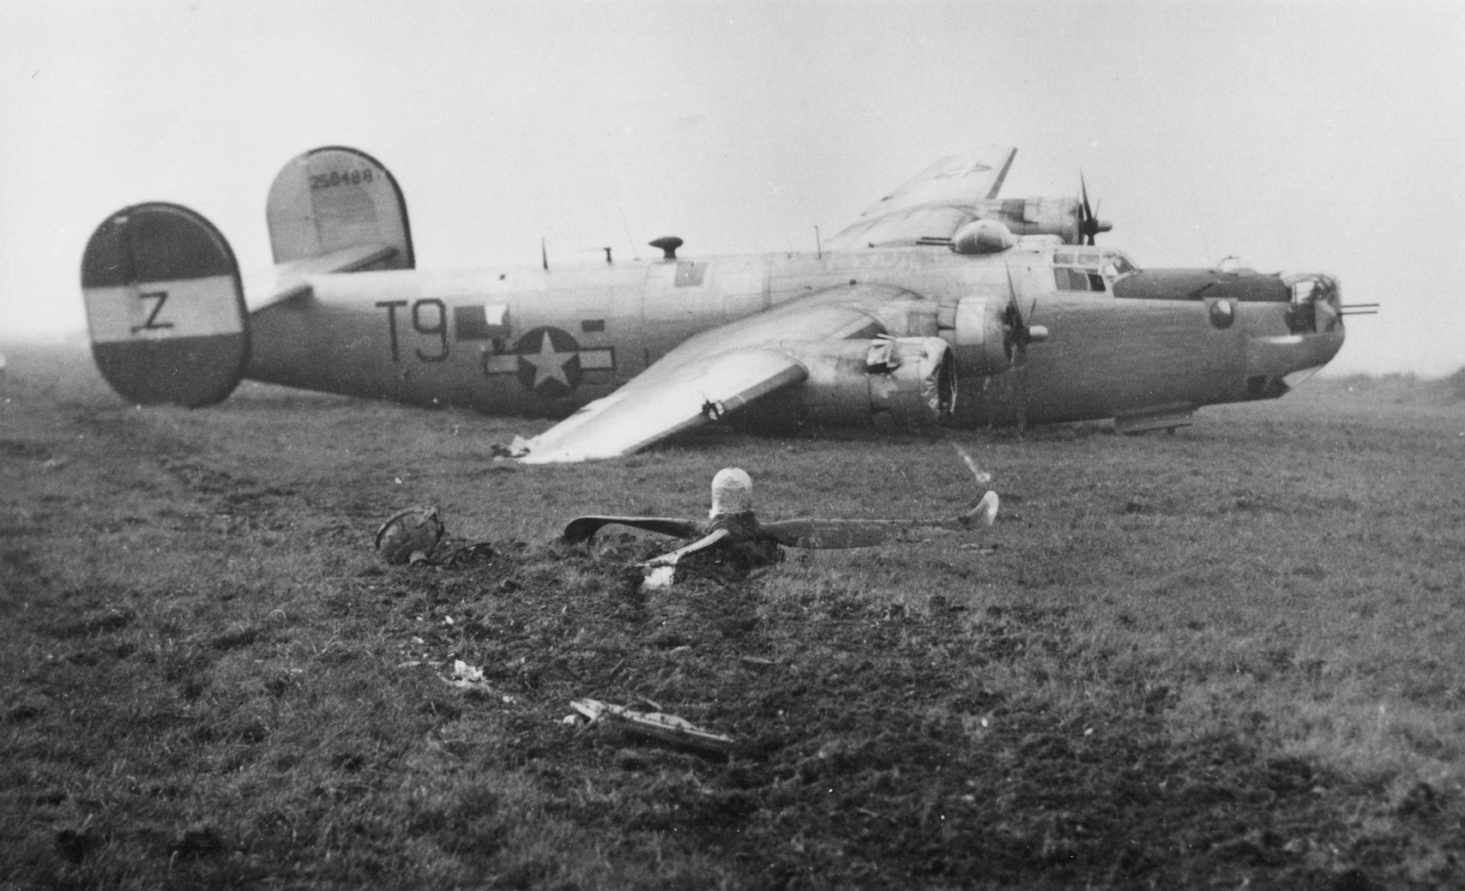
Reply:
x=549, y=361
x=1223, y=313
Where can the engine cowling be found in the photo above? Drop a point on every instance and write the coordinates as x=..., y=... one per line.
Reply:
x=980, y=334
x=904, y=382
x=1071, y=219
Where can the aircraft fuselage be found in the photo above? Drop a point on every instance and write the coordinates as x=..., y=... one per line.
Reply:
x=544, y=342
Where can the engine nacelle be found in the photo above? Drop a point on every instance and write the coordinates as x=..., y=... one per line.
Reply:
x=905, y=382
x=978, y=330
x=1067, y=218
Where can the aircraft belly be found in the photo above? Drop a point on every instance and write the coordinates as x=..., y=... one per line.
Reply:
x=1105, y=359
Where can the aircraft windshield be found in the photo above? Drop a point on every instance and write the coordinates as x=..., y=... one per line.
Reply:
x=1117, y=265
x=1091, y=269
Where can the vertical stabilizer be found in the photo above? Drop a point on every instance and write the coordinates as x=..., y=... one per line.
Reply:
x=332, y=198
x=165, y=309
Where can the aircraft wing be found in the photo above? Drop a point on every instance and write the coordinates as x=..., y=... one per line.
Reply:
x=933, y=205
x=288, y=280
x=634, y=417
x=710, y=374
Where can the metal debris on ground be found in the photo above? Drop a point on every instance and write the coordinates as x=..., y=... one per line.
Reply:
x=463, y=557
x=467, y=677
x=409, y=536
x=668, y=728
x=470, y=678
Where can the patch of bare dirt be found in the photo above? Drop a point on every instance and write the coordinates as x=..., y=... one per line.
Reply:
x=872, y=749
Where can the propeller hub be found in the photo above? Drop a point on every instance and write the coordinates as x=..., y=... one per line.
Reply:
x=732, y=492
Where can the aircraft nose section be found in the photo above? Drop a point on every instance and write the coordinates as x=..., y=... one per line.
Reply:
x=1198, y=284
x=1275, y=364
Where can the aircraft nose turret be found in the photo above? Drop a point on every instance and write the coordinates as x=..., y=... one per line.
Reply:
x=1314, y=334
x=1316, y=305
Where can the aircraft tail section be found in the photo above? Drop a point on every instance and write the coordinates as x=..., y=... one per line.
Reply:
x=165, y=307
x=331, y=199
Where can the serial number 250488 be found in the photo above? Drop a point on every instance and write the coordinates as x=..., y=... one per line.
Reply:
x=340, y=178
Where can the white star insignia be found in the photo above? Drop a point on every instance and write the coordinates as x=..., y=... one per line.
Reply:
x=548, y=364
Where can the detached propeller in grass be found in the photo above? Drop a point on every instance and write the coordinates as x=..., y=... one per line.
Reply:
x=732, y=525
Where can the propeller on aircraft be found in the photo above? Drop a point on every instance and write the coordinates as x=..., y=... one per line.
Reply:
x=1019, y=332
x=1089, y=223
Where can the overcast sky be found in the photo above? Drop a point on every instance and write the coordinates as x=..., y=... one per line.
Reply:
x=1299, y=136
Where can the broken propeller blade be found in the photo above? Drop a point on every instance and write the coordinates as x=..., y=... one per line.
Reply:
x=829, y=534
x=583, y=529
x=811, y=533
x=706, y=541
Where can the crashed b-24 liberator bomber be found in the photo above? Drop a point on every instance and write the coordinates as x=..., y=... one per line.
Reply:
x=924, y=311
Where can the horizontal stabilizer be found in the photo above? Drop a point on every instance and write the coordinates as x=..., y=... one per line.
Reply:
x=288, y=280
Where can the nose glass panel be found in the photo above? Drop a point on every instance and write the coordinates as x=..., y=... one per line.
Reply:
x=1315, y=305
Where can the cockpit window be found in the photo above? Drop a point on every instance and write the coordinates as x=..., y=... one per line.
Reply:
x=1117, y=265
x=1072, y=279
x=1090, y=270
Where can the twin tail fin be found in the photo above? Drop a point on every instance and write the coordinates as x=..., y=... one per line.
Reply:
x=165, y=304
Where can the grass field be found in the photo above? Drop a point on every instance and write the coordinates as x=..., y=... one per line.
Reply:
x=1234, y=657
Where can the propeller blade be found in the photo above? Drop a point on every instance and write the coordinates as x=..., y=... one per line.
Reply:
x=807, y=532
x=812, y=533
x=700, y=544
x=1012, y=324
x=1018, y=335
x=1088, y=215
x=583, y=529
x=1020, y=395
x=983, y=477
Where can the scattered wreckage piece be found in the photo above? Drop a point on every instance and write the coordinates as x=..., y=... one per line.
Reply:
x=732, y=524
x=417, y=535
x=664, y=727
x=409, y=536
x=470, y=679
